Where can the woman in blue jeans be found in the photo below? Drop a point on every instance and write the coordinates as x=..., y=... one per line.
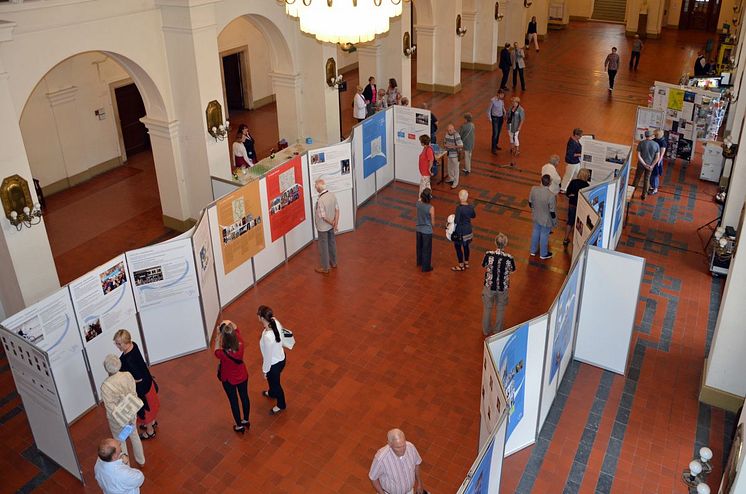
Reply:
x=273, y=355
x=463, y=234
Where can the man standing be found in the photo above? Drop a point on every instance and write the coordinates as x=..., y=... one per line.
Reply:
x=518, y=62
x=700, y=65
x=573, y=152
x=505, y=64
x=466, y=132
x=496, y=114
x=453, y=145
x=370, y=93
x=498, y=265
x=637, y=45
x=112, y=470
x=396, y=467
x=648, y=153
x=611, y=66
x=543, y=206
x=327, y=219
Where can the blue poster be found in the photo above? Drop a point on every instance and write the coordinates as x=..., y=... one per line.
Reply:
x=512, y=369
x=480, y=481
x=621, y=198
x=563, y=325
x=595, y=238
x=374, y=143
x=597, y=199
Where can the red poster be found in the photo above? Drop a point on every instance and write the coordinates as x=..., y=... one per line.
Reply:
x=285, y=197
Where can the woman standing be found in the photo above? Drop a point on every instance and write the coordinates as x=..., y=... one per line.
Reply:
x=147, y=390
x=467, y=131
x=516, y=117
x=240, y=154
x=248, y=142
x=273, y=356
x=393, y=96
x=424, y=230
x=358, y=105
x=518, y=62
x=114, y=389
x=228, y=347
x=532, y=34
x=572, y=192
x=463, y=234
x=427, y=157
x=551, y=170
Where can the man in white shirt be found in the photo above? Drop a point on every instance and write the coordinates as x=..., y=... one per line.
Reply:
x=396, y=467
x=112, y=470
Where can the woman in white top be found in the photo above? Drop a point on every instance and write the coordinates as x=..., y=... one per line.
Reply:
x=240, y=155
x=113, y=390
x=358, y=105
x=551, y=170
x=273, y=356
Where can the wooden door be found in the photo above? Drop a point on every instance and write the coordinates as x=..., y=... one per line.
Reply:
x=699, y=14
x=131, y=109
x=233, y=78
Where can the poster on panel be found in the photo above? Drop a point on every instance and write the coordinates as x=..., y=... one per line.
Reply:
x=485, y=474
x=586, y=221
x=365, y=187
x=548, y=388
x=648, y=119
x=239, y=221
x=603, y=159
x=492, y=399
x=560, y=345
x=374, y=143
x=620, y=203
x=104, y=303
x=204, y=259
x=300, y=236
x=385, y=175
x=409, y=125
x=240, y=279
x=50, y=325
x=285, y=197
x=35, y=383
x=574, y=286
x=332, y=164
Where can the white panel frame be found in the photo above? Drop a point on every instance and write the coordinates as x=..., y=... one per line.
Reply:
x=302, y=235
x=272, y=255
x=406, y=157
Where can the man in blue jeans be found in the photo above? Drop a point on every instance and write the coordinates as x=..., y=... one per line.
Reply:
x=543, y=206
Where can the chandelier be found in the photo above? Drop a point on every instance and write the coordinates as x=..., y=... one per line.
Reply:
x=344, y=21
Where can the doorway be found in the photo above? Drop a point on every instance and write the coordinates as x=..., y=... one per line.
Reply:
x=131, y=109
x=700, y=14
x=233, y=77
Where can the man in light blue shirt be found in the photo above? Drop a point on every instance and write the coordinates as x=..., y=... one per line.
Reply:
x=496, y=114
x=112, y=470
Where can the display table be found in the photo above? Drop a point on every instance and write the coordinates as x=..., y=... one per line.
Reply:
x=440, y=157
x=260, y=168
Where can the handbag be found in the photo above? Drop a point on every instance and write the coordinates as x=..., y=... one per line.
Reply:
x=288, y=339
x=126, y=410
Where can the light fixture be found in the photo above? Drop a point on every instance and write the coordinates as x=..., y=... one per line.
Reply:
x=460, y=31
x=408, y=47
x=347, y=47
x=216, y=127
x=19, y=208
x=705, y=455
x=694, y=477
x=344, y=21
x=691, y=477
x=333, y=80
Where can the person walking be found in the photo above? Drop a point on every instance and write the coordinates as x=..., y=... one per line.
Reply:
x=228, y=347
x=657, y=172
x=496, y=114
x=273, y=357
x=454, y=145
x=637, y=46
x=611, y=66
x=551, y=170
x=532, y=34
x=424, y=230
x=396, y=467
x=326, y=218
x=543, y=206
x=359, y=107
x=497, y=266
x=113, y=472
x=426, y=159
x=573, y=153
x=467, y=132
x=516, y=118
x=648, y=153
x=572, y=193
x=147, y=389
x=463, y=233
x=505, y=65
x=518, y=63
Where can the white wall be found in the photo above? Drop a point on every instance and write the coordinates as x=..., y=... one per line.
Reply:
x=345, y=59
x=579, y=8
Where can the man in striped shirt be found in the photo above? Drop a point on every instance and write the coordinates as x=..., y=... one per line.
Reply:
x=396, y=467
x=498, y=265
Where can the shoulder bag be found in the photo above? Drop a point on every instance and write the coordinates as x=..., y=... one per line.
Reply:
x=288, y=339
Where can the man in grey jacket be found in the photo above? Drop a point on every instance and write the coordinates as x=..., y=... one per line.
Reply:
x=543, y=204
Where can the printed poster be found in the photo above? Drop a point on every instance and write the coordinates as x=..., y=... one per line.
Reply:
x=332, y=164
x=621, y=199
x=597, y=199
x=563, y=329
x=240, y=225
x=602, y=158
x=675, y=99
x=285, y=198
x=374, y=143
x=512, y=369
x=492, y=400
x=203, y=247
x=409, y=124
x=480, y=481
x=163, y=273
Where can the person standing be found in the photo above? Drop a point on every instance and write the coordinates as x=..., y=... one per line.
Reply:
x=396, y=467
x=228, y=347
x=326, y=218
x=572, y=193
x=393, y=96
x=359, y=107
x=147, y=390
x=497, y=268
x=611, y=66
x=467, y=132
x=273, y=357
x=248, y=143
x=463, y=233
x=113, y=472
x=426, y=159
x=496, y=114
x=505, y=65
x=551, y=170
x=516, y=118
x=700, y=65
x=657, y=172
x=648, y=153
x=518, y=63
x=424, y=230
x=533, y=36
x=637, y=46
x=114, y=389
x=454, y=145
x=370, y=95
x=573, y=153
x=240, y=154
x=543, y=206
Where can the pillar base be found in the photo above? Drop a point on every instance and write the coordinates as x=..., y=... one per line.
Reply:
x=439, y=88
x=178, y=225
x=631, y=34
x=486, y=67
x=719, y=398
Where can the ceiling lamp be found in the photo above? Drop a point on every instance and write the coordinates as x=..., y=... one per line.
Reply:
x=344, y=21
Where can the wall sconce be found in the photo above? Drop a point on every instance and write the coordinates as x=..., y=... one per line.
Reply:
x=694, y=477
x=216, y=127
x=19, y=208
x=527, y=4
x=409, y=48
x=333, y=80
x=498, y=15
x=347, y=47
x=460, y=31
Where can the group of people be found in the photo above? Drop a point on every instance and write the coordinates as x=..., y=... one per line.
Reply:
x=371, y=99
x=612, y=60
x=244, y=149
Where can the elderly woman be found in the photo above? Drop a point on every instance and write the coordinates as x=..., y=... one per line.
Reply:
x=463, y=234
x=147, y=389
x=114, y=389
x=359, y=106
x=551, y=170
x=516, y=119
x=228, y=347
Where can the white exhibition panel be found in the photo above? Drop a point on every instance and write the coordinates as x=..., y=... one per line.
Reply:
x=221, y=187
x=603, y=158
x=204, y=259
x=326, y=163
x=406, y=132
x=302, y=235
x=567, y=312
x=385, y=175
x=104, y=304
x=620, y=203
x=50, y=325
x=35, y=383
x=608, y=215
x=485, y=474
x=492, y=402
x=273, y=253
x=239, y=280
x=364, y=187
x=518, y=355
x=586, y=220
x=164, y=282
x=607, y=312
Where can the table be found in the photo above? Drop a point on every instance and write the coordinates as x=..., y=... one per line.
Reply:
x=440, y=156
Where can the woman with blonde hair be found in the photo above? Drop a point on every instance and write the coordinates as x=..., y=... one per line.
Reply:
x=516, y=118
x=114, y=389
x=359, y=107
x=463, y=234
x=147, y=389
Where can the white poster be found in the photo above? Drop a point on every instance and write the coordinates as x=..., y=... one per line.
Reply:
x=603, y=158
x=205, y=265
x=492, y=399
x=409, y=124
x=586, y=220
x=648, y=119
x=333, y=164
x=163, y=273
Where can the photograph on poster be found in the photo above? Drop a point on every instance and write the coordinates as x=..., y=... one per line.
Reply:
x=422, y=118
x=204, y=258
x=565, y=320
x=579, y=225
x=334, y=170
x=92, y=329
x=345, y=168
x=31, y=331
x=616, y=155
x=480, y=480
x=317, y=158
x=684, y=149
x=512, y=369
x=374, y=144
x=285, y=196
x=240, y=225
x=492, y=398
x=112, y=278
x=689, y=96
x=148, y=275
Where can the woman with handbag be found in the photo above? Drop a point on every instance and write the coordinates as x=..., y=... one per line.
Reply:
x=273, y=357
x=463, y=233
x=147, y=389
x=228, y=347
x=426, y=160
x=116, y=391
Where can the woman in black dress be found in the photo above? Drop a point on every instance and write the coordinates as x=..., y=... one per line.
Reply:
x=463, y=234
x=147, y=389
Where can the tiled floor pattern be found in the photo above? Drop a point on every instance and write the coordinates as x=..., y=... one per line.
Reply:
x=383, y=345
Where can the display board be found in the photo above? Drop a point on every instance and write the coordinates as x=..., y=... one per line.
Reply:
x=104, y=303
x=230, y=284
x=647, y=119
x=333, y=164
x=607, y=316
x=302, y=235
x=50, y=325
x=273, y=254
x=485, y=474
x=602, y=158
x=492, y=399
x=620, y=203
x=409, y=124
x=285, y=197
x=239, y=216
x=519, y=357
x=601, y=198
x=385, y=174
x=374, y=143
x=365, y=187
x=204, y=260
x=586, y=221
x=166, y=293
x=36, y=386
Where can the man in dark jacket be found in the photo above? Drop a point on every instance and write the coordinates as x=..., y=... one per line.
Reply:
x=505, y=65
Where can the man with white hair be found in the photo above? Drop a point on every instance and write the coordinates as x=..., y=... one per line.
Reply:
x=396, y=467
x=113, y=472
x=326, y=218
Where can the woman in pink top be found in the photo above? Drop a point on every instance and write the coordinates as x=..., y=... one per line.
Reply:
x=228, y=347
x=427, y=156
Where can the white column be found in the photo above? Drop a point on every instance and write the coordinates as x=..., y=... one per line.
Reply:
x=27, y=271
x=448, y=48
x=370, y=63
x=395, y=64
x=469, y=21
x=320, y=103
x=487, y=30
x=734, y=201
x=425, y=57
x=288, y=93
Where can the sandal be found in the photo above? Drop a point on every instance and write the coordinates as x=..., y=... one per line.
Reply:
x=458, y=268
x=266, y=394
x=145, y=436
x=466, y=265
